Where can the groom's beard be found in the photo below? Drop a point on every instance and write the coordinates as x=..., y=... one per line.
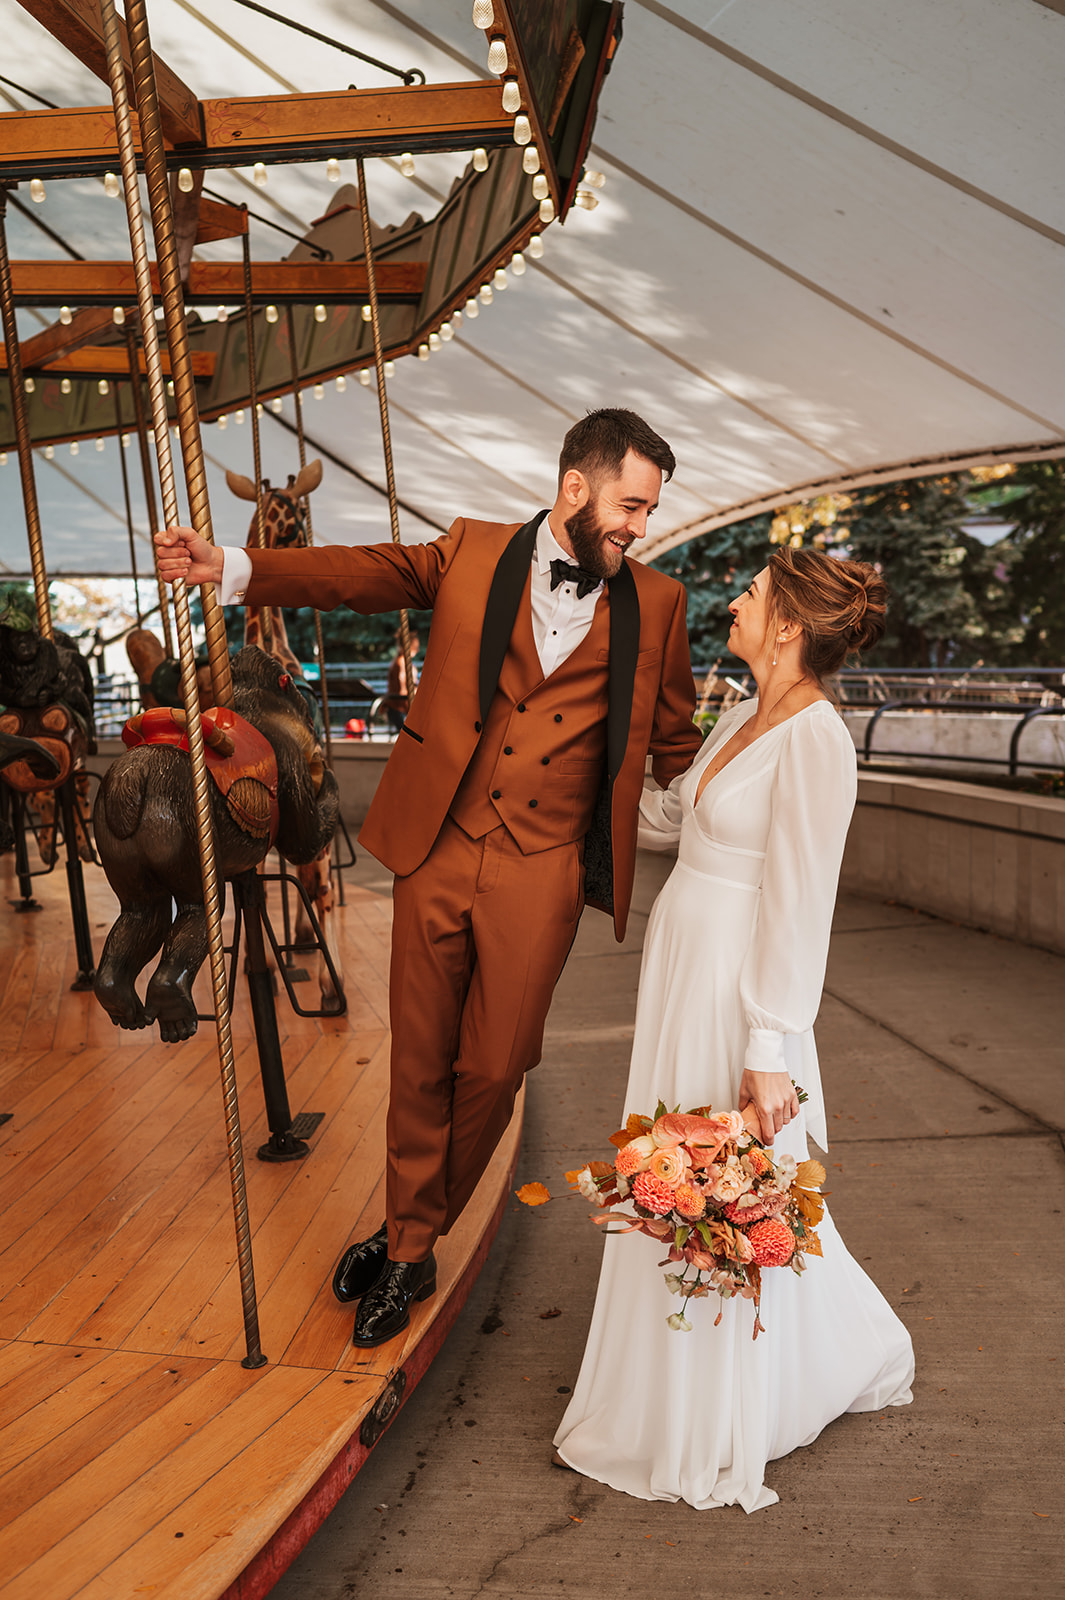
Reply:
x=590, y=541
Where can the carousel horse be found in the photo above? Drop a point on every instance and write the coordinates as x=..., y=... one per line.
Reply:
x=284, y=527
x=269, y=787
x=47, y=695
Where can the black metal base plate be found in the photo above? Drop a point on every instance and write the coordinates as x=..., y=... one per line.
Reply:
x=304, y=1123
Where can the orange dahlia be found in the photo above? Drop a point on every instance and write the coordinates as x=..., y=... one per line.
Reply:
x=772, y=1241
x=689, y=1201
x=651, y=1193
x=758, y=1162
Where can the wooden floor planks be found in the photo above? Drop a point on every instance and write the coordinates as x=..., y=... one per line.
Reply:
x=137, y=1454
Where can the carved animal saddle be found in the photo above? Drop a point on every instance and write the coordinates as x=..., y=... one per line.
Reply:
x=240, y=760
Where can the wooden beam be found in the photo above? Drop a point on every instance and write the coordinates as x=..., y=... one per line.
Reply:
x=219, y=221
x=60, y=338
x=109, y=361
x=111, y=283
x=78, y=26
x=270, y=128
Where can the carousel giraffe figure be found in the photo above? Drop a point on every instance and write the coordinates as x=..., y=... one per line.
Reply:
x=285, y=527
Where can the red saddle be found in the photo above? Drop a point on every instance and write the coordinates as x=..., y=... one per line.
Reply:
x=233, y=750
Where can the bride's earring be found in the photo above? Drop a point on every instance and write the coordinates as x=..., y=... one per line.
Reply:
x=776, y=649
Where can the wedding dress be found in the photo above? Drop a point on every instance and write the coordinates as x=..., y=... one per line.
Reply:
x=733, y=966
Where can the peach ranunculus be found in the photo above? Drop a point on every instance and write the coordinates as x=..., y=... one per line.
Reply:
x=730, y=1181
x=669, y=1164
x=731, y=1123
x=689, y=1201
x=651, y=1193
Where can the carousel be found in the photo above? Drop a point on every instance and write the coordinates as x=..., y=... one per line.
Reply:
x=187, y=1144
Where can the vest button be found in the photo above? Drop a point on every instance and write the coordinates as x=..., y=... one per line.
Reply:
x=533, y=804
x=477, y=727
x=558, y=716
x=508, y=750
x=521, y=708
x=545, y=761
x=497, y=794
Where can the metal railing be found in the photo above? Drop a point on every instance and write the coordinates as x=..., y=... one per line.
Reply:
x=1012, y=762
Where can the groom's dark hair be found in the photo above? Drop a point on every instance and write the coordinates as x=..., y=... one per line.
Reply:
x=599, y=443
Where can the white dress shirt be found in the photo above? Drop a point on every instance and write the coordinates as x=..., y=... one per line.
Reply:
x=559, y=620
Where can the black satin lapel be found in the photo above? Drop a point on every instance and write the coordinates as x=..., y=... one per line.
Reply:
x=624, y=649
x=504, y=597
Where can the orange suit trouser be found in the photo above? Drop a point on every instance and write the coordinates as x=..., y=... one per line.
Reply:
x=480, y=935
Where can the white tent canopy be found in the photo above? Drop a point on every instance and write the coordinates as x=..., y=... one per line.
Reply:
x=830, y=249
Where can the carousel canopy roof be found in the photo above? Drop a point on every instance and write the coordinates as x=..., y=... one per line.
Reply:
x=830, y=248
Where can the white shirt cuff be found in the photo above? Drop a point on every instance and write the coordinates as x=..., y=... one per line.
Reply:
x=765, y=1051
x=236, y=576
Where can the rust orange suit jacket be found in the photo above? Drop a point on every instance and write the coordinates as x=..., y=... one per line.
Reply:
x=474, y=578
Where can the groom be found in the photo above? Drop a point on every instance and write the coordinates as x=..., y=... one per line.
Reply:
x=554, y=665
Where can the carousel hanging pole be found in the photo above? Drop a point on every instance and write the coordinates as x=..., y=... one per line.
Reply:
x=382, y=404
x=142, y=70
x=141, y=424
x=22, y=431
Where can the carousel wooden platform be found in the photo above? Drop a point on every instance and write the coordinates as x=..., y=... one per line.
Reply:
x=137, y=1455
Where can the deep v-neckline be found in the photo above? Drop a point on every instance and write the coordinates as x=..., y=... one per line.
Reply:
x=705, y=781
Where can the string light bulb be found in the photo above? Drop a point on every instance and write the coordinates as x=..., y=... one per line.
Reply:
x=223, y=423
x=473, y=310
x=37, y=191
x=66, y=316
x=499, y=278
x=530, y=159
x=434, y=342
x=223, y=314
x=260, y=175
x=29, y=386
x=49, y=452
x=367, y=313
x=118, y=316
x=112, y=187
x=276, y=405
x=332, y=170
x=517, y=264
x=271, y=313
x=539, y=187
x=74, y=447
x=364, y=377
x=170, y=388
x=64, y=386
x=3, y=458
x=238, y=417
x=486, y=295
x=319, y=391
x=547, y=211
x=497, y=57
x=585, y=199
x=125, y=440
x=406, y=164
x=99, y=447
x=390, y=369
x=480, y=159
x=341, y=383
x=423, y=352
x=456, y=320
x=594, y=180
x=511, y=96
x=319, y=313
x=522, y=130
x=447, y=332
x=483, y=13
x=258, y=408
x=103, y=387
x=184, y=180
x=535, y=247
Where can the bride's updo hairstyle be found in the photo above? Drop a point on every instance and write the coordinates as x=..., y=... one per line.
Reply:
x=839, y=605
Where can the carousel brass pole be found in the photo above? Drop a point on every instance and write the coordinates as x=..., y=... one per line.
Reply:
x=22, y=430
x=156, y=386
x=382, y=403
x=141, y=423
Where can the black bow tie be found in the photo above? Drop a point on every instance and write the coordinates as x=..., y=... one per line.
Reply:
x=566, y=572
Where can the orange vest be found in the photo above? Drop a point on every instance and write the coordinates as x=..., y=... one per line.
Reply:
x=539, y=761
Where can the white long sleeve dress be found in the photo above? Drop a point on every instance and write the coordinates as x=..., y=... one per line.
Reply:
x=733, y=967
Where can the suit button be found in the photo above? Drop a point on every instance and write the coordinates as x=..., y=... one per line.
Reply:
x=497, y=794
x=545, y=761
x=508, y=750
x=521, y=708
x=532, y=803
x=558, y=716
x=477, y=727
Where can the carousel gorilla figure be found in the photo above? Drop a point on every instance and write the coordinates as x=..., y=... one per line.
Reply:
x=146, y=836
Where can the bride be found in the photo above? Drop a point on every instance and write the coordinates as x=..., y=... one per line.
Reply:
x=733, y=967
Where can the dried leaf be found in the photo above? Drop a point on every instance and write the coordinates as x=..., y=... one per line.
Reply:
x=576, y=1519
x=601, y=1169
x=533, y=1194
x=914, y=1499
x=811, y=1245
x=810, y=1174
x=621, y=1138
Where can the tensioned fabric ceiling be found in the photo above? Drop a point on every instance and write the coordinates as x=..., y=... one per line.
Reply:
x=830, y=249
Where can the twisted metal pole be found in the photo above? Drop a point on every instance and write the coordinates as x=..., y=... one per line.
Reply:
x=382, y=405
x=141, y=422
x=22, y=431
x=143, y=74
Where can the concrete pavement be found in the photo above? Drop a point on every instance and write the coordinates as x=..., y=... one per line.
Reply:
x=941, y=1052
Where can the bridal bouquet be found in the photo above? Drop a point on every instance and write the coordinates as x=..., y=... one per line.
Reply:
x=706, y=1186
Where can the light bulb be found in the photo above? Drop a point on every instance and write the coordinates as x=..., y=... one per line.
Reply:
x=99, y=446
x=258, y=408
x=3, y=458
x=390, y=369
x=486, y=294
x=406, y=164
x=49, y=452
x=499, y=278
x=547, y=211
x=522, y=130
x=319, y=313
x=456, y=320
x=585, y=199
x=37, y=190
x=497, y=57
x=364, y=377
x=342, y=383
x=472, y=309
x=223, y=314
x=238, y=418
x=423, y=352
x=118, y=316
x=319, y=391
x=530, y=159
x=125, y=440
x=184, y=180
x=539, y=187
x=535, y=247
x=112, y=186
x=74, y=447
x=223, y=422
x=170, y=388
x=64, y=386
x=66, y=316
x=434, y=341
x=332, y=170
x=594, y=180
x=367, y=313
x=483, y=14
x=271, y=313
x=447, y=332
x=103, y=387
x=517, y=264
x=259, y=173
x=511, y=96
x=29, y=386
x=276, y=405
x=480, y=159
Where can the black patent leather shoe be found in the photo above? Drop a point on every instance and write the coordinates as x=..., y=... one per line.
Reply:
x=385, y=1308
x=360, y=1265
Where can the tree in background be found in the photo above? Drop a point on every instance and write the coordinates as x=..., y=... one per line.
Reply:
x=346, y=636
x=1032, y=560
